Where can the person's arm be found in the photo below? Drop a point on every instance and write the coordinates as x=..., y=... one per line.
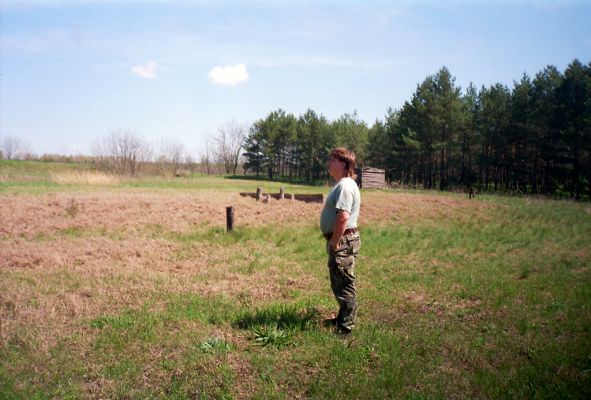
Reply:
x=339, y=228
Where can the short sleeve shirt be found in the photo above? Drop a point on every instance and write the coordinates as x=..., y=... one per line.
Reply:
x=343, y=196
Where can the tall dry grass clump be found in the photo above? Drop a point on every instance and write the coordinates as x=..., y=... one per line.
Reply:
x=85, y=178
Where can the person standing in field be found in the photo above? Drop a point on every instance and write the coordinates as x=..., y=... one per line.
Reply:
x=338, y=223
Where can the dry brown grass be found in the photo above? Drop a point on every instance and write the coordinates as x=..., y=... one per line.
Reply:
x=127, y=211
x=55, y=284
x=409, y=209
x=61, y=282
x=71, y=260
x=118, y=254
x=134, y=210
x=78, y=277
x=84, y=178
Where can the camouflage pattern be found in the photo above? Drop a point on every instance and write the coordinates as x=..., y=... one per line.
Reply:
x=341, y=266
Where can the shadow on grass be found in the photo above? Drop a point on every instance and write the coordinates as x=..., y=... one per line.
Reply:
x=288, y=317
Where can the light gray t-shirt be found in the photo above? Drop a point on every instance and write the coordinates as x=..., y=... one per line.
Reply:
x=343, y=196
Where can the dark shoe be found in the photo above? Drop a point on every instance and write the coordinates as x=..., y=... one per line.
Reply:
x=344, y=334
x=341, y=330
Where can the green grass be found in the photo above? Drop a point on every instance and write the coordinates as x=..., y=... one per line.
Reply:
x=495, y=308
x=35, y=177
x=19, y=169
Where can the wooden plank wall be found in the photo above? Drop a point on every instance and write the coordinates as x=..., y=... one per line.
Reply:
x=368, y=177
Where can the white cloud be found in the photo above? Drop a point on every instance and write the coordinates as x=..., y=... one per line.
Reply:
x=228, y=75
x=147, y=71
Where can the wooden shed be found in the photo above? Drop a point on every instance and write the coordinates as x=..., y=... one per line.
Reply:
x=368, y=177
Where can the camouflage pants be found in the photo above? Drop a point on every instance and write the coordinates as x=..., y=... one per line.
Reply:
x=341, y=266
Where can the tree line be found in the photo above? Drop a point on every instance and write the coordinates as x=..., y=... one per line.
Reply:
x=125, y=152
x=533, y=138
x=283, y=146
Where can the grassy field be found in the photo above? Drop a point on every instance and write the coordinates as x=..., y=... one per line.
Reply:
x=132, y=289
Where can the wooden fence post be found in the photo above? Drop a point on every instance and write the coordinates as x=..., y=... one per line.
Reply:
x=259, y=193
x=281, y=193
x=229, y=218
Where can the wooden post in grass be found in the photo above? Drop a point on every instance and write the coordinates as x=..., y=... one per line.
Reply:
x=229, y=218
x=259, y=193
x=281, y=193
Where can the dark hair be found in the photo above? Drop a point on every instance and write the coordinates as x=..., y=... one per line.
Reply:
x=348, y=157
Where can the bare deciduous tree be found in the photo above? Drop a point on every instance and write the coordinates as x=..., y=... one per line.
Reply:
x=190, y=163
x=122, y=151
x=228, y=145
x=13, y=148
x=172, y=155
x=206, y=160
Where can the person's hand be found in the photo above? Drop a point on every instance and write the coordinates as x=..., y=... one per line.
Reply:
x=335, y=246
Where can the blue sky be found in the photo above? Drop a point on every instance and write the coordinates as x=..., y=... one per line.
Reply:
x=175, y=71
